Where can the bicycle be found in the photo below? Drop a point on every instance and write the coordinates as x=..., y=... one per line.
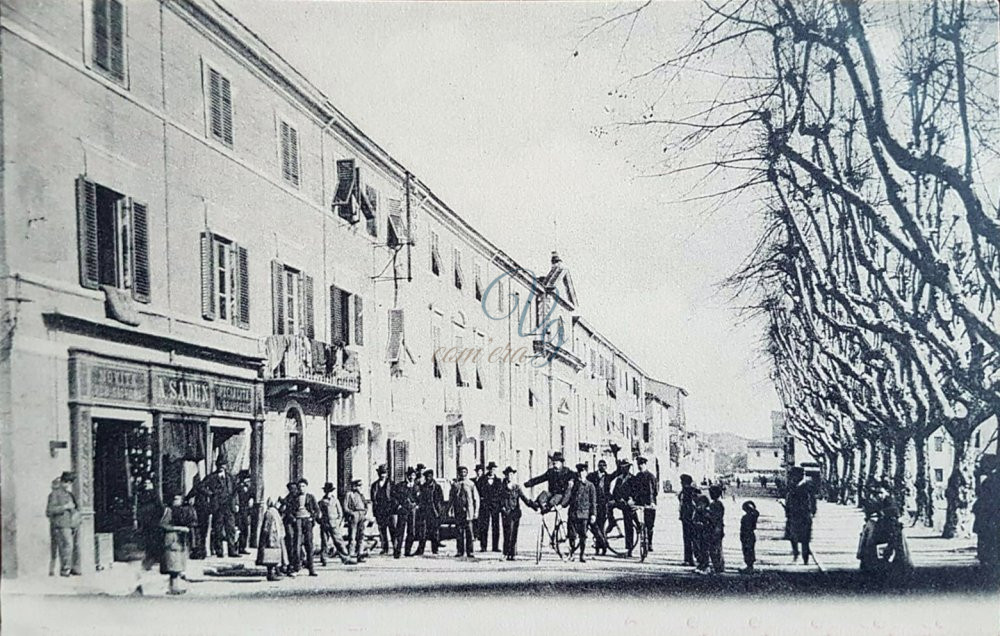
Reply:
x=555, y=536
x=640, y=534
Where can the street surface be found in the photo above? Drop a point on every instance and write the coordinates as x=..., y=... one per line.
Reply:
x=947, y=594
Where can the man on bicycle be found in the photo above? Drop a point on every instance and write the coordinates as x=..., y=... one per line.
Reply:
x=644, y=489
x=620, y=496
x=560, y=481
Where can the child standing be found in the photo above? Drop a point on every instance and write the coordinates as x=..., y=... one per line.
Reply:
x=717, y=517
x=748, y=535
x=701, y=529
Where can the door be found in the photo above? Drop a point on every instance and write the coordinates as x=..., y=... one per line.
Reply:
x=345, y=459
x=126, y=502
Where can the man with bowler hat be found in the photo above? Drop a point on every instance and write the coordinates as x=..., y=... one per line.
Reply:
x=511, y=497
x=430, y=508
x=405, y=497
x=381, y=498
x=489, y=486
x=602, y=486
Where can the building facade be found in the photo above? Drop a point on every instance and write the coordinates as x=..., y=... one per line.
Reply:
x=205, y=261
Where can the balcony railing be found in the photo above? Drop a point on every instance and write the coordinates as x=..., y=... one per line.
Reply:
x=311, y=362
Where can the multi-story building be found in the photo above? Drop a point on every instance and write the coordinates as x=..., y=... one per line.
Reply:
x=204, y=260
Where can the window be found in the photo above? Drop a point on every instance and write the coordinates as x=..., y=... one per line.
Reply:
x=459, y=279
x=289, y=144
x=459, y=379
x=758, y=453
x=292, y=301
x=108, y=54
x=975, y=440
x=113, y=235
x=293, y=425
x=435, y=255
x=939, y=444
x=439, y=450
x=225, y=284
x=645, y=431
x=938, y=474
x=346, y=317
x=531, y=398
x=220, y=106
x=775, y=453
x=371, y=211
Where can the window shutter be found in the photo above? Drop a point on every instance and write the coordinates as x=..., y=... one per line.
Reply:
x=207, y=276
x=116, y=28
x=285, y=146
x=86, y=212
x=343, y=199
x=336, y=316
x=101, y=40
x=307, y=307
x=359, y=325
x=278, y=295
x=215, y=102
x=395, y=335
x=227, y=112
x=243, y=287
x=140, y=252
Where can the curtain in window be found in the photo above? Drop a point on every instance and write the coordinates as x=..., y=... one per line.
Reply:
x=184, y=440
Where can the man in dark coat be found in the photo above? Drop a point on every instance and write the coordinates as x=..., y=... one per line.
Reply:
x=602, y=486
x=201, y=499
x=222, y=504
x=559, y=478
x=405, y=501
x=430, y=507
x=381, y=498
x=582, y=511
x=643, y=490
x=244, y=516
x=511, y=497
x=800, y=506
x=489, y=486
x=687, y=497
x=620, y=495
x=301, y=512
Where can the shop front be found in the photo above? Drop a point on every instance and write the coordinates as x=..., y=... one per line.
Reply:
x=142, y=433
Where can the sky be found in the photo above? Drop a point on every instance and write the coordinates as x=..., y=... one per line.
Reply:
x=509, y=114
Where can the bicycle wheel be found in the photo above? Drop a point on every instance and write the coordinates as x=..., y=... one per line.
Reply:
x=616, y=542
x=538, y=544
x=640, y=529
x=559, y=538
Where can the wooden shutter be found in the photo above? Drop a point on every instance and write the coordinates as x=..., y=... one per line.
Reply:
x=220, y=107
x=227, y=111
x=395, y=335
x=86, y=214
x=278, y=296
x=242, y=287
x=207, y=276
x=140, y=252
x=398, y=452
x=336, y=316
x=308, y=325
x=359, y=325
x=102, y=42
x=116, y=31
x=289, y=153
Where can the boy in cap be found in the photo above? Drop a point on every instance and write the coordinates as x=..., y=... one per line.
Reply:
x=582, y=511
x=748, y=535
x=64, y=521
x=331, y=523
x=511, y=497
x=355, y=509
x=643, y=491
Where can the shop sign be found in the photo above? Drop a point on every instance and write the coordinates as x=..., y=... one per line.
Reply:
x=234, y=398
x=116, y=382
x=181, y=391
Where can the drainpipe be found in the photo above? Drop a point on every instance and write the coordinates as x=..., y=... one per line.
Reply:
x=322, y=163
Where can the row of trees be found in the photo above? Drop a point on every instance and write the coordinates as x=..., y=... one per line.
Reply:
x=867, y=134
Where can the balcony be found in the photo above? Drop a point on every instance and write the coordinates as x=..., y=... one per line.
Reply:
x=309, y=368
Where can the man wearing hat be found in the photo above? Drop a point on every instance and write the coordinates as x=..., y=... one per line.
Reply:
x=219, y=489
x=381, y=498
x=331, y=524
x=582, y=511
x=464, y=501
x=356, y=510
x=560, y=481
x=64, y=522
x=620, y=494
x=602, y=486
x=643, y=491
x=490, y=489
x=430, y=508
x=244, y=515
x=405, y=497
x=511, y=497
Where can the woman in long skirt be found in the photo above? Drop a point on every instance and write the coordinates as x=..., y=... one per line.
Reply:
x=176, y=542
x=271, y=550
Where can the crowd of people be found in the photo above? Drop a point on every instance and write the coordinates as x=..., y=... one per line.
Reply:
x=217, y=517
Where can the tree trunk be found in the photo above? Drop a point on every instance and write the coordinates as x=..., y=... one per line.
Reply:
x=847, y=483
x=960, y=491
x=862, y=470
x=899, y=485
x=925, y=507
x=873, y=464
x=886, y=468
